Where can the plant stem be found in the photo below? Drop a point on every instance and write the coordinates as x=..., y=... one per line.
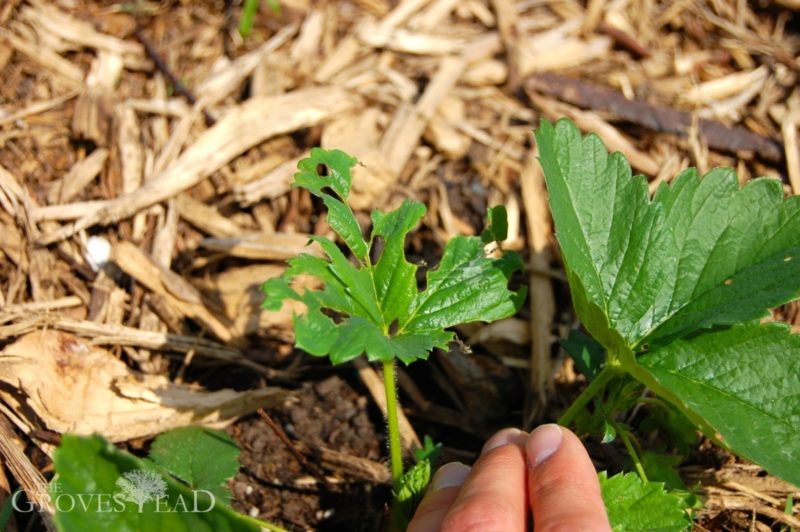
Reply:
x=599, y=382
x=395, y=449
x=625, y=437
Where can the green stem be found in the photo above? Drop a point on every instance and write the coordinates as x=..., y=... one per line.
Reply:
x=595, y=386
x=625, y=437
x=395, y=448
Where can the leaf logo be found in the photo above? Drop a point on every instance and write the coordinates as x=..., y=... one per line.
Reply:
x=141, y=486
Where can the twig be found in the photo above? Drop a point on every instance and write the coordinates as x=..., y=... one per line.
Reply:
x=655, y=117
x=162, y=67
x=312, y=468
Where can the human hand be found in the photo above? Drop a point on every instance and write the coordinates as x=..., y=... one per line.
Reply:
x=547, y=472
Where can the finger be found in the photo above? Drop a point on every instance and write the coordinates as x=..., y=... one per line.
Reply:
x=493, y=498
x=562, y=483
x=444, y=489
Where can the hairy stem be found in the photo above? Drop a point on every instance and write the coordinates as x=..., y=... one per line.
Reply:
x=599, y=382
x=395, y=447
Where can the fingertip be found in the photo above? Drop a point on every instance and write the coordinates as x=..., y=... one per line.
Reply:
x=543, y=442
x=450, y=475
x=505, y=437
x=562, y=482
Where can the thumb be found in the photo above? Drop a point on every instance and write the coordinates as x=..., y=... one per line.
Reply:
x=562, y=483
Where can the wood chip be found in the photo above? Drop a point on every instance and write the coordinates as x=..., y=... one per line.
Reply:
x=243, y=127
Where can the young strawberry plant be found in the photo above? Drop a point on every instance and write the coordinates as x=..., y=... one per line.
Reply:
x=673, y=290
x=372, y=305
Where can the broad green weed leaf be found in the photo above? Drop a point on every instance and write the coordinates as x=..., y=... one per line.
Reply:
x=635, y=505
x=100, y=488
x=201, y=457
x=377, y=308
x=701, y=253
x=745, y=382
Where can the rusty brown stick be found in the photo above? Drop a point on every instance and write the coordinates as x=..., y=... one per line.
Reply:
x=164, y=68
x=655, y=117
x=279, y=432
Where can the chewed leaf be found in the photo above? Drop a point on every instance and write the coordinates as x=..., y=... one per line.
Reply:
x=377, y=309
x=701, y=253
x=335, y=163
x=329, y=170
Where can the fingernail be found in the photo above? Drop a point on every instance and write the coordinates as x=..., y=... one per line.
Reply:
x=504, y=437
x=451, y=475
x=542, y=443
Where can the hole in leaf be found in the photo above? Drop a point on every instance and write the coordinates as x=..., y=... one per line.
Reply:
x=787, y=259
x=323, y=170
x=393, y=328
x=728, y=282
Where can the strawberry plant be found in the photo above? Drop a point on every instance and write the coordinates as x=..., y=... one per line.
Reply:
x=673, y=290
x=372, y=304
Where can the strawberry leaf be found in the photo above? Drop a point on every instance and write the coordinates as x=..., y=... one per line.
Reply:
x=723, y=376
x=669, y=279
x=378, y=309
x=701, y=253
x=633, y=504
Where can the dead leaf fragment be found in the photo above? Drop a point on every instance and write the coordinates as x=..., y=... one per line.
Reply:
x=67, y=384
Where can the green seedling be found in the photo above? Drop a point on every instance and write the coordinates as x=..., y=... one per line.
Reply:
x=249, y=11
x=673, y=290
x=372, y=305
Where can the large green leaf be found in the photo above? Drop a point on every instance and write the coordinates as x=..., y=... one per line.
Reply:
x=100, y=488
x=701, y=253
x=635, y=505
x=745, y=382
x=666, y=278
x=201, y=457
x=377, y=308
